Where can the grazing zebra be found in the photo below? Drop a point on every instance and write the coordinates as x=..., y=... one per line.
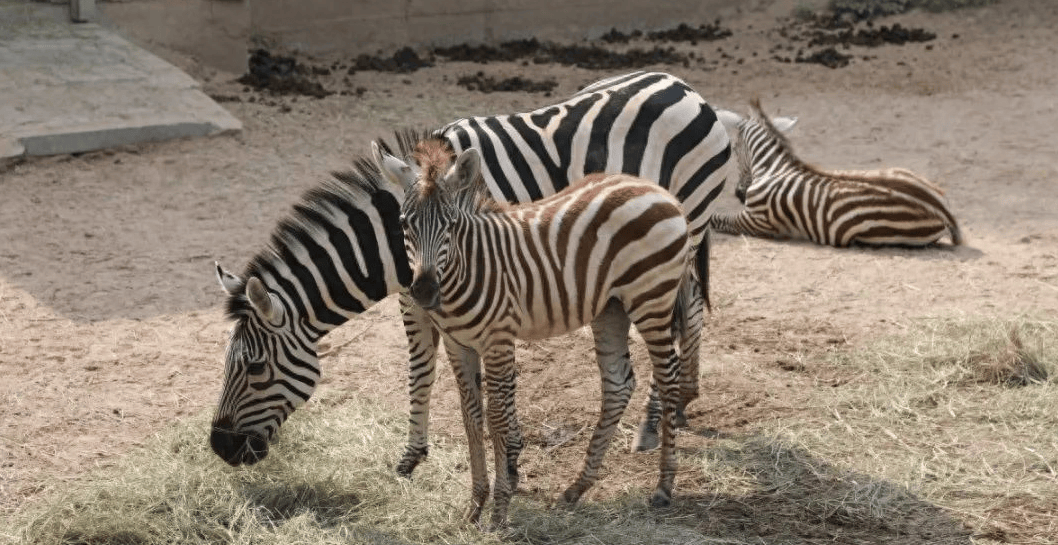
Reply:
x=342, y=251
x=609, y=250
x=786, y=198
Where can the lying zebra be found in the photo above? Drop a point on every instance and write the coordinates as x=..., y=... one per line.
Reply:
x=786, y=198
x=610, y=250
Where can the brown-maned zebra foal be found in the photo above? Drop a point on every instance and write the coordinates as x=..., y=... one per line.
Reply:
x=610, y=250
x=785, y=197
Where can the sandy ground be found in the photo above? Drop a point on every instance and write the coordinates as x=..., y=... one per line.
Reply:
x=110, y=322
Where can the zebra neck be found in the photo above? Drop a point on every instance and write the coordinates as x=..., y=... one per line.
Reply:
x=323, y=293
x=770, y=158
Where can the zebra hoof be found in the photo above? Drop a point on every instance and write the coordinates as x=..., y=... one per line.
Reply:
x=512, y=476
x=405, y=468
x=570, y=496
x=472, y=516
x=660, y=500
x=407, y=464
x=646, y=439
x=681, y=418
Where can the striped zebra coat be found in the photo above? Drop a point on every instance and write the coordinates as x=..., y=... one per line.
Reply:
x=607, y=250
x=786, y=198
x=341, y=250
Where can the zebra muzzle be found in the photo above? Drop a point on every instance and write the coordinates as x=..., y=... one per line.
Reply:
x=237, y=448
x=426, y=291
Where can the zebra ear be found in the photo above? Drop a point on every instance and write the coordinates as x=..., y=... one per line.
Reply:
x=729, y=119
x=784, y=124
x=396, y=171
x=266, y=304
x=228, y=281
x=466, y=171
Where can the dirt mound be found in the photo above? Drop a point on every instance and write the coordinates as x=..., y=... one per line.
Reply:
x=402, y=61
x=489, y=84
x=281, y=75
x=828, y=57
x=682, y=33
x=871, y=37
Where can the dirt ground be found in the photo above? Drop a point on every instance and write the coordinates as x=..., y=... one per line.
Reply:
x=110, y=320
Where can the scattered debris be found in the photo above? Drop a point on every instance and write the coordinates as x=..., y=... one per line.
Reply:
x=832, y=31
x=682, y=33
x=280, y=75
x=403, y=61
x=870, y=37
x=488, y=84
x=832, y=34
x=828, y=57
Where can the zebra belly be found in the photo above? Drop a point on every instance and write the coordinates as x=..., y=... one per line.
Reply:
x=522, y=320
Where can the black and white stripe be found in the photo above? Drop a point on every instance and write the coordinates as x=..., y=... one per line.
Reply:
x=784, y=197
x=341, y=250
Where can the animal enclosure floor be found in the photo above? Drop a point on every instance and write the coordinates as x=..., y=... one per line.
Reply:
x=110, y=317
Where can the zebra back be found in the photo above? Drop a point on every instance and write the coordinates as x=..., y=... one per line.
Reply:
x=647, y=124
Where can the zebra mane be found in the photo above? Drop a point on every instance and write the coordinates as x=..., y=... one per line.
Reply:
x=778, y=136
x=434, y=154
x=360, y=187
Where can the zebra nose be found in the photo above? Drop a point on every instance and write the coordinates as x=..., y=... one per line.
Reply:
x=426, y=291
x=234, y=447
x=225, y=443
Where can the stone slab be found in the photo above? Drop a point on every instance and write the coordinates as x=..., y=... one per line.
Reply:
x=67, y=87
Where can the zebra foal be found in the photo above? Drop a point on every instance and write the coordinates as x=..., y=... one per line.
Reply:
x=786, y=198
x=610, y=250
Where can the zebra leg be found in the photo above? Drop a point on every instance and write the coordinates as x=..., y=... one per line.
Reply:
x=689, y=331
x=500, y=379
x=647, y=436
x=665, y=374
x=657, y=335
x=745, y=223
x=422, y=355
x=467, y=372
x=471, y=363
x=618, y=383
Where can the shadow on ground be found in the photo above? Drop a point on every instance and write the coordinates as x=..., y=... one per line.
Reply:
x=753, y=489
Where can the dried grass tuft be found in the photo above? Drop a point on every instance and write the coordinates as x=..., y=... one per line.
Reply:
x=1009, y=364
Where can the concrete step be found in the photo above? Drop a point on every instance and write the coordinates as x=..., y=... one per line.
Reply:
x=75, y=87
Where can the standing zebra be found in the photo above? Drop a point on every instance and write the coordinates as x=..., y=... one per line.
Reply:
x=342, y=250
x=785, y=197
x=609, y=250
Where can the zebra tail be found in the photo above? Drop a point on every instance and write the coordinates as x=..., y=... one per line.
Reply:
x=702, y=259
x=956, y=234
x=678, y=316
x=680, y=309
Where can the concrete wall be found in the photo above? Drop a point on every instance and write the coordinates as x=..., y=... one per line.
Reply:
x=215, y=32
x=365, y=26
x=219, y=31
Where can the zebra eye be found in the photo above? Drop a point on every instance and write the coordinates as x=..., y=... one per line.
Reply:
x=403, y=221
x=256, y=367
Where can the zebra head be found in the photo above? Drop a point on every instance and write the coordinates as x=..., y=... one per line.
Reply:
x=435, y=194
x=753, y=144
x=269, y=371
